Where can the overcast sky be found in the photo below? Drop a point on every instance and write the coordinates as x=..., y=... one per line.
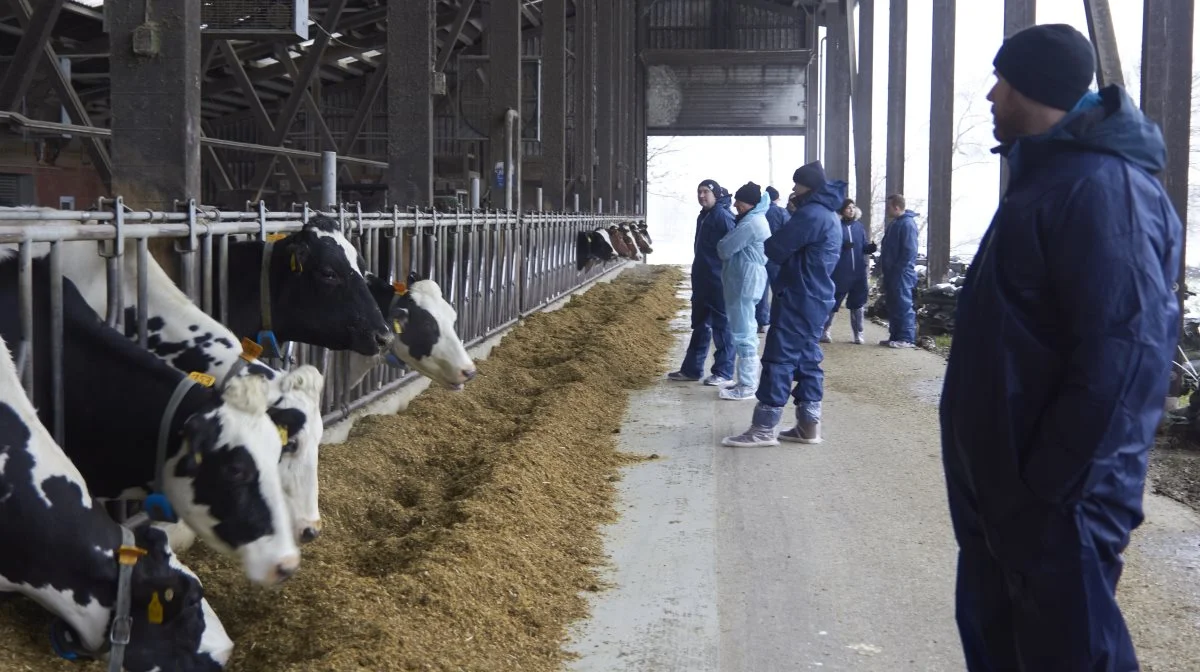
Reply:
x=735, y=160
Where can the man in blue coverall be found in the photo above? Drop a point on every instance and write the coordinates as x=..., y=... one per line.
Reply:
x=776, y=216
x=897, y=260
x=806, y=249
x=1065, y=331
x=709, y=320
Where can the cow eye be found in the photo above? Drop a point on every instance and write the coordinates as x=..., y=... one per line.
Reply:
x=237, y=473
x=328, y=274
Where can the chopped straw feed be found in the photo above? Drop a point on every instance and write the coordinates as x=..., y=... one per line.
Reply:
x=462, y=533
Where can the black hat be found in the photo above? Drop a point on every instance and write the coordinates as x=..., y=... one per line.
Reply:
x=811, y=175
x=749, y=193
x=1051, y=64
x=773, y=193
x=712, y=185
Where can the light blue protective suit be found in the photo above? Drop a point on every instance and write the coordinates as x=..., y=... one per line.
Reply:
x=744, y=277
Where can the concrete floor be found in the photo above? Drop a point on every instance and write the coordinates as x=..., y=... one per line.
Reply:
x=833, y=557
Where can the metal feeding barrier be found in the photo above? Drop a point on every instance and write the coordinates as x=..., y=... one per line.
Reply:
x=494, y=267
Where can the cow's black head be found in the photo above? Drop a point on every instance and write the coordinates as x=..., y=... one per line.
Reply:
x=319, y=294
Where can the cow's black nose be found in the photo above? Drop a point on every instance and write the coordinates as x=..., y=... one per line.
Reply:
x=470, y=374
x=383, y=340
x=308, y=535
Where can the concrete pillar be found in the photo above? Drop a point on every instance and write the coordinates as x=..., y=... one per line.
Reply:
x=897, y=95
x=941, y=140
x=863, y=115
x=812, y=111
x=503, y=19
x=554, y=102
x=155, y=108
x=837, y=94
x=584, y=100
x=409, y=95
x=606, y=89
x=1018, y=15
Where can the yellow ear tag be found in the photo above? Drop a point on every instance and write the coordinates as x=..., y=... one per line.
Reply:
x=283, y=434
x=400, y=287
x=397, y=327
x=128, y=555
x=154, y=612
x=275, y=237
x=197, y=457
x=250, y=350
x=202, y=378
x=296, y=266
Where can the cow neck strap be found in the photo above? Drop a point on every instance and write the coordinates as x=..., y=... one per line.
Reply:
x=238, y=364
x=164, y=438
x=127, y=558
x=266, y=334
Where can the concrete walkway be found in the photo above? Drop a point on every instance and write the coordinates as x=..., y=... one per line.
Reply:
x=833, y=557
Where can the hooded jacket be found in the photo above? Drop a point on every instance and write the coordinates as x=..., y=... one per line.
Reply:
x=711, y=227
x=898, y=250
x=744, y=272
x=1066, y=327
x=852, y=265
x=807, y=249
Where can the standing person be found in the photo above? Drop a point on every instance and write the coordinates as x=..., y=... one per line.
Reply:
x=850, y=275
x=898, y=260
x=709, y=321
x=744, y=276
x=1064, y=336
x=806, y=249
x=776, y=217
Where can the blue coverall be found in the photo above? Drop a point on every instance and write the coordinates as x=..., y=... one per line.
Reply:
x=897, y=259
x=850, y=275
x=744, y=276
x=1065, y=332
x=776, y=217
x=709, y=320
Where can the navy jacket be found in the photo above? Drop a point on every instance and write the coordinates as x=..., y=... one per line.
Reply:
x=898, y=250
x=711, y=227
x=852, y=265
x=807, y=249
x=1066, y=327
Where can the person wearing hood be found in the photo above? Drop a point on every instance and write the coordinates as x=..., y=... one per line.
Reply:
x=776, y=216
x=807, y=249
x=709, y=320
x=744, y=275
x=898, y=261
x=850, y=275
x=1065, y=332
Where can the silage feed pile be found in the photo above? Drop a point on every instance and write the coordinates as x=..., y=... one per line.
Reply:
x=459, y=534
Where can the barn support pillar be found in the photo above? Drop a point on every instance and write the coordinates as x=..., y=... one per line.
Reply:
x=584, y=102
x=1018, y=15
x=897, y=95
x=606, y=60
x=863, y=116
x=941, y=141
x=503, y=19
x=837, y=92
x=1104, y=39
x=812, y=110
x=554, y=103
x=156, y=109
x=1167, y=99
x=409, y=63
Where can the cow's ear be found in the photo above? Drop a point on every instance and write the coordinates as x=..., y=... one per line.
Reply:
x=300, y=252
x=413, y=278
x=200, y=437
x=399, y=318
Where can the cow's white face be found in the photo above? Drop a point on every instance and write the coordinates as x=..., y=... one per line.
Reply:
x=225, y=482
x=425, y=337
x=297, y=410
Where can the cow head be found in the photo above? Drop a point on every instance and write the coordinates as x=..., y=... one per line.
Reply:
x=424, y=326
x=319, y=294
x=592, y=247
x=224, y=482
x=297, y=411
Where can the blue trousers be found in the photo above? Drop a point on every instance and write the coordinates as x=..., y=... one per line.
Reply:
x=902, y=319
x=709, y=323
x=762, y=311
x=791, y=354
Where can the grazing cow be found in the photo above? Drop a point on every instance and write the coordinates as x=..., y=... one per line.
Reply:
x=132, y=425
x=592, y=247
x=186, y=337
x=63, y=552
x=314, y=279
x=423, y=323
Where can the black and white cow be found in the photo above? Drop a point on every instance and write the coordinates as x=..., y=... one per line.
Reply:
x=423, y=323
x=186, y=337
x=593, y=247
x=318, y=293
x=60, y=550
x=222, y=451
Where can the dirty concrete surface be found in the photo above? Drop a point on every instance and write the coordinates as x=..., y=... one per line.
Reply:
x=838, y=556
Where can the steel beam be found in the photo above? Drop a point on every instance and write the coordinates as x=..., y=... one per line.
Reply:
x=1167, y=99
x=554, y=102
x=504, y=90
x=66, y=93
x=410, y=56
x=20, y=70
x=837, y=94
x=863, y=114
x=309, y=102
x=212, y=163
x=941, y=140
x=585, y=139
x=366, y=106
x=261, y=118
x=897, y=95
x=1104, y=40
x=287, y=113
x=605, y=90
x=1018, y=15
x=812, y=109
x=456, y=29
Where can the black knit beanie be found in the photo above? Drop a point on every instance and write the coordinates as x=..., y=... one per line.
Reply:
x=773, y=193
x=712, y=185
x=811, y=175
x=1052, y=64
x=749, y=193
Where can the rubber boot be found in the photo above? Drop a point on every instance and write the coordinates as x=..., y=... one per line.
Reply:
x=825, y=337
x=762, y=429
x=808, y=424
x=856, y=325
